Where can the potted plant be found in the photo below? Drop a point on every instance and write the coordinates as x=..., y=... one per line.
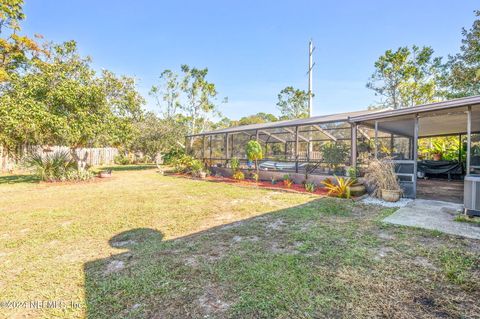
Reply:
x=105, y=174
x=380, y=175
x=202, y=174
x=438, y=149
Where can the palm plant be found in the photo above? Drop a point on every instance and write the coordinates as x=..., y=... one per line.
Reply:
x=338, y=188
x=51, y=167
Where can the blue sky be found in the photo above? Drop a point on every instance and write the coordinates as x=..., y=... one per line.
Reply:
x=253, y=49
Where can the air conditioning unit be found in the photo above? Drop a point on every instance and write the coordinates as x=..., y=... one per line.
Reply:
x=471, y=195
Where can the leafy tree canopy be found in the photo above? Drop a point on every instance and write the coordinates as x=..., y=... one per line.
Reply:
x=190, y=95
x=159, y=135
x=406, y=77
x=61, y=100
x=260, y=117
x=462, y=76
x=16, y=50
x=293, y=103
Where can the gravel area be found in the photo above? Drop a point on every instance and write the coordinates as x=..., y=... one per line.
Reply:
x=375, y=201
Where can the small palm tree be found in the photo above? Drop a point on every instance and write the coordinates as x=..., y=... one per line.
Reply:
x=51, y=167
x=254, y=152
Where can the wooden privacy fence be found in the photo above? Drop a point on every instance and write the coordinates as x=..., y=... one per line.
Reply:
x=95, y=156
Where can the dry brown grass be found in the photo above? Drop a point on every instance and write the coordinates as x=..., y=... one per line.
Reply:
x=380, y=174
x=141, y=245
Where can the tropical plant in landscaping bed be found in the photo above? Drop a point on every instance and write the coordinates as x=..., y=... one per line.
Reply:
x=357, y=188
x=339, y=188
x=381, y=178
x=188, y=165
x=238, y=175
x=287, y=181
x=310, y=187
x=352, y=172
x=255, y=177
x=254, y=152
x=234, y=164
x=56, y=167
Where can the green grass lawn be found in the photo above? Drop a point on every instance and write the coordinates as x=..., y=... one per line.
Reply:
x=142, y=245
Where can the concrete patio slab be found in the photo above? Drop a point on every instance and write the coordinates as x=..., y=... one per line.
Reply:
x=434, y=215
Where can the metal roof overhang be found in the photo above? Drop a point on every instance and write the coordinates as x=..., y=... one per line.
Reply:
x=441, y=118
x=435, y=119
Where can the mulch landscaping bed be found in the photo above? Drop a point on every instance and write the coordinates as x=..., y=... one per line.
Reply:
x=279, y=186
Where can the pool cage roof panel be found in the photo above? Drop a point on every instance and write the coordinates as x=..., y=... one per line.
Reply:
x=447, y=117
x=340, y=117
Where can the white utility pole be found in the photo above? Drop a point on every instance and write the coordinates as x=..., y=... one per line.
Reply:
x=310, y=76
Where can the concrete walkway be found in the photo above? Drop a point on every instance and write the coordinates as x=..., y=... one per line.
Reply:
x=434, y=215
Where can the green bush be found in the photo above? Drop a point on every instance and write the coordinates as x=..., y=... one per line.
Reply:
x=122, y=159
x=238, y=175
x=56, y=167
x=187, y=164
x=235, y=164
x=76, y=175
x=310, y=187
x=172, y=155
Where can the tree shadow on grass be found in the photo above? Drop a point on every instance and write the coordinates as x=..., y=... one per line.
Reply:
x=17, y=179
x=263, y=266
x=157, y=278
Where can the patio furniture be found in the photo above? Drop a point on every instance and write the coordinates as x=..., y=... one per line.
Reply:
x=440, y=167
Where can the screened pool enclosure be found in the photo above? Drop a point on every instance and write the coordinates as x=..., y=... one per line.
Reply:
x=319, y=145
x=326, y=145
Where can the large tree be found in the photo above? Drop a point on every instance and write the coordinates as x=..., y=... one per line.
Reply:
x=200, y=98
x=293, y=103
x=60, y=100
x=462, y=76
x=188, y=102
x=406, y=77
x=159, y=135
x=16, y=51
